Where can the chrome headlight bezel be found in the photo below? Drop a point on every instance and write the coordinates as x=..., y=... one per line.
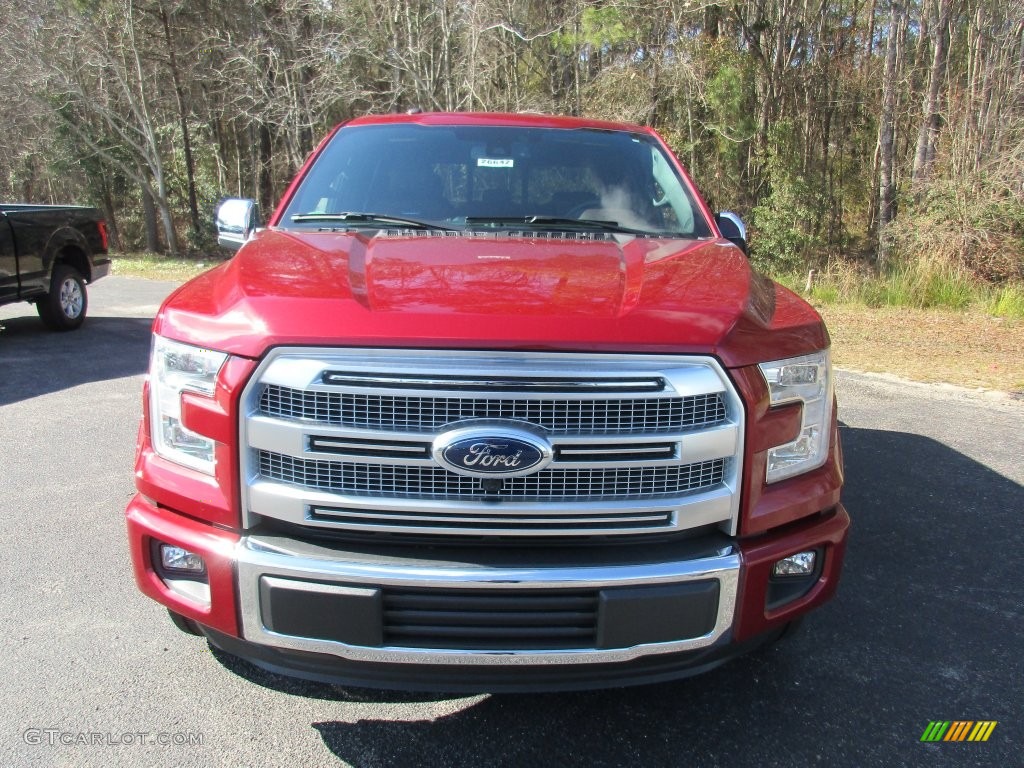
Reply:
x=807, y=380
x=175, y=368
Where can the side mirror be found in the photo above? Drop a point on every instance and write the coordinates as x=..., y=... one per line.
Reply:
x=732, y=228
x=237, y=219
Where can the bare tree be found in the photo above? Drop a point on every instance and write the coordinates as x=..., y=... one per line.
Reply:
x=98, y=88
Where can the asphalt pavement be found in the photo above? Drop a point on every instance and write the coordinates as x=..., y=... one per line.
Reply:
x=927, y=624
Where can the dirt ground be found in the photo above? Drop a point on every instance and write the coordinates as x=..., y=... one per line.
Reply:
x=967, y=349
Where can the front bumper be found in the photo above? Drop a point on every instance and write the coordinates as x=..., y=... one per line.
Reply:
x=657, y=611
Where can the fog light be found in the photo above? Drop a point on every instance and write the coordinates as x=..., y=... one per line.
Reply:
x=178, y=560
x=800, y=564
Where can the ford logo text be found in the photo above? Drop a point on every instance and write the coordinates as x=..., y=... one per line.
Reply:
x=491, y=452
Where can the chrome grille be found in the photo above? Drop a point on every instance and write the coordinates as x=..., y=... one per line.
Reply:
x=437, y=483
x=427, y=414
x=353, y=440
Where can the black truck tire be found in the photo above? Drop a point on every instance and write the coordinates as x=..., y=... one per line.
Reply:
x=186, y=625
x=64, y=307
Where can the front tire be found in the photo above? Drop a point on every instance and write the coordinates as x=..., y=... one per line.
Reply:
x=185, y=624
x=64, y=307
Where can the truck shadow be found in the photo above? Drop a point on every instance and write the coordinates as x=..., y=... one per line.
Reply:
x=36, y=362
x=926, y=625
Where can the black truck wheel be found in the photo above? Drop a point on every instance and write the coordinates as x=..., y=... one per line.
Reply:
x=63, y=308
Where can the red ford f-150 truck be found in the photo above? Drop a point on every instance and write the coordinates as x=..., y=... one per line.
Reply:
x=493, y=402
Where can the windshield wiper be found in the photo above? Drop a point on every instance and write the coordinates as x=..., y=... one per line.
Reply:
x=367, y=218
x=556, y=222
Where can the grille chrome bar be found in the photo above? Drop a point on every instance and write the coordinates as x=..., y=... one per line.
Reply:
x=498, y=520
x=645, y=450
x=371, y=448
x=318, y=441
x=355, y=453
x=306, y=507
x=377, y=381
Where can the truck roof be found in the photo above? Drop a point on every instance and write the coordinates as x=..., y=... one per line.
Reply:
x=524, y=119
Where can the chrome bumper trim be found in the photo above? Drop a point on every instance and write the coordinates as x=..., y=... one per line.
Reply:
x=255, y=560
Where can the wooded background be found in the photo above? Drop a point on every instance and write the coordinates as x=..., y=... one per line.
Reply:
x=869, y=130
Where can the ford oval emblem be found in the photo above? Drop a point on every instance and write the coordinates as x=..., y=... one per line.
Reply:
x=491, y=452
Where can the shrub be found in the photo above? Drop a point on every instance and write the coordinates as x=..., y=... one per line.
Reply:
x=787, y=236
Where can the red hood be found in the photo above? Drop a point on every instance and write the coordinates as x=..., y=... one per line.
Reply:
x=492, y=292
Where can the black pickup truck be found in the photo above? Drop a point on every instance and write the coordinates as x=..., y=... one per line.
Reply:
x=47, y=255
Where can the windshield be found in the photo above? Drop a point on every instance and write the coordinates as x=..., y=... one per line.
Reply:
x=409, y=175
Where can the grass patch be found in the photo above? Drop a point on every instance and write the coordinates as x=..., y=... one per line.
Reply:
x=1008, y=302
x=921, y=288
x=913, y=286
x=153, y=266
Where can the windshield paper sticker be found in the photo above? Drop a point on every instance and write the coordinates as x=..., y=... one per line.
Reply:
x=495, y=162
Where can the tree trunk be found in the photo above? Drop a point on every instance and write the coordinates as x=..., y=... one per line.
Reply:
x=870, y=41
x=886, y=139
x=149, y=217
x=266, y=163
x=167, y=219
x=931, y=119
x=712, y=20
x=113, y=232
x=186, y=139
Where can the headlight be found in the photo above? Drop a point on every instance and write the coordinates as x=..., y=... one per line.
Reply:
x=806, y=380
x=175, y=368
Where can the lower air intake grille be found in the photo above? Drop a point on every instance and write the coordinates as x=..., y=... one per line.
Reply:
x=472, y=620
